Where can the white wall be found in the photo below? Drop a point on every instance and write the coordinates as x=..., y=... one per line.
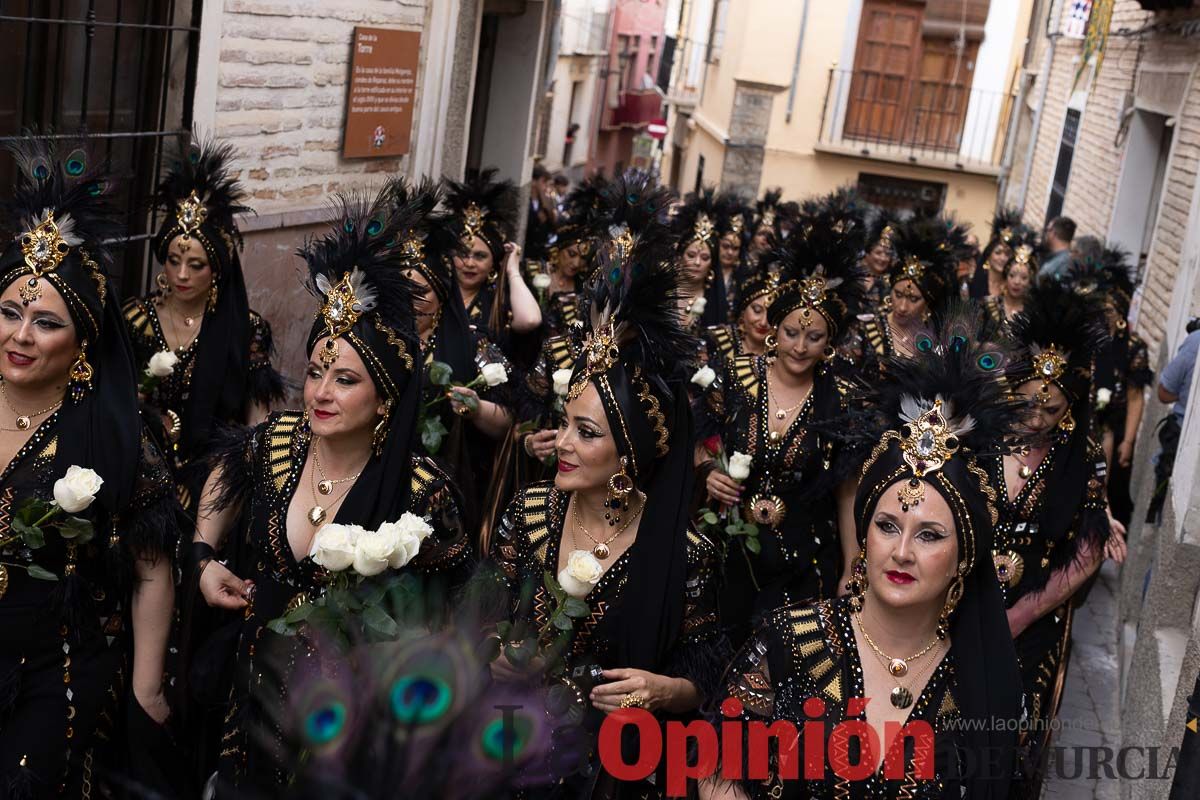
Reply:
x=990, y=79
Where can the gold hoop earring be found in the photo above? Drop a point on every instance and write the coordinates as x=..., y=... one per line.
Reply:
x=1066, y=426
x=858, y=583
x=953, y=596
x=379, y=435
x=80, y=376
x=620, y=486
x=164, y=285
x=772, y=348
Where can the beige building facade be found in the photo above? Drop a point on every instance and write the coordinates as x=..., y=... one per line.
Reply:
x=909, y=100
x=1114, y=144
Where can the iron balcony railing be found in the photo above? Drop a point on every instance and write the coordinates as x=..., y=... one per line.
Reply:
x=928, y=122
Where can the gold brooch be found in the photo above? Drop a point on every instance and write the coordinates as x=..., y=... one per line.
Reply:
x=736, y=224
x=885, y=236
x=1049, y=365
x=1023, y=255
x=911, y=493
x=927, y=441
x=768, y=219
x=913, y=269
x=600, y=354
x=1009, y=567
x=621, y=245
x=473, y=217
x=412, y=251
x=1006, y=235
x=341, y=311
x=190, y=214
x=703, y=229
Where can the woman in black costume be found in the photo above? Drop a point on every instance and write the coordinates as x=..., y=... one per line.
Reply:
x=86, y=605
x=199, y=322
x=703, y=297
x=611, y=525
x=770, y=408
x=923, y=585
x=346, y=459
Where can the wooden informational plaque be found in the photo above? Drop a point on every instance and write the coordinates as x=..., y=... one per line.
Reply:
x=383, y=89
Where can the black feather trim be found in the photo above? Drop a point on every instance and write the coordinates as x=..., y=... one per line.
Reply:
x=233, y=452
x=203, y=166
x=497, y=199
x=702, y=663
x=1055, y=315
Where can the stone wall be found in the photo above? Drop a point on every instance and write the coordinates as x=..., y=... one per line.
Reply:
x=282, y=80
x=749, y=124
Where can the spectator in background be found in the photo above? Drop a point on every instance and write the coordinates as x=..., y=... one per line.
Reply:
x=1174, y=385
x=1060, y=231
x=562, y=187
x=543, y=214
x=1088, y=250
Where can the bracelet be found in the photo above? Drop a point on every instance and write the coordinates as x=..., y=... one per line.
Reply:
x=525, y=445
x=202, y=550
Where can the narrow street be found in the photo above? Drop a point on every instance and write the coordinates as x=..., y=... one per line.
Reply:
x=1090, y=710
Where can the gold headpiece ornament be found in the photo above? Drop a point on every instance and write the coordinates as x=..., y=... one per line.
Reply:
x=736, y=224
x=703, y=229
x=620, y=243
x=912, y=270
x=885, y=236
x=412, y=251
x=1006, y=235
x=190, y=214
x=768, y=219
x=44, y=248
x=927, y=442
x=600, y=354
x=473, y=218
x=1023, y=255
x=344, y=303
x=1049, y=365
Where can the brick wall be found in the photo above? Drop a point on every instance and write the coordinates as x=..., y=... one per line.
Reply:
x=282, y=89
x=1092, y=188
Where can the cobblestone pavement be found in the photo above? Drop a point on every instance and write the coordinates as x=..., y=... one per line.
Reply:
x=1089, y=712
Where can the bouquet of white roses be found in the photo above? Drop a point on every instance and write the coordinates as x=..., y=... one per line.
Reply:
x=360, y=565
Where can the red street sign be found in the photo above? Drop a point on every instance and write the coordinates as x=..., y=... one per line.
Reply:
x=657, y=128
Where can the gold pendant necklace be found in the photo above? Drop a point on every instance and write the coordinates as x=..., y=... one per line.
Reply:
x=317, y=514
x=901, y=696
x=25, y=421
x=600, y=549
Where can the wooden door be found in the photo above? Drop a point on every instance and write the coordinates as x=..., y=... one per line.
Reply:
x=941, y=93
x=885, y=60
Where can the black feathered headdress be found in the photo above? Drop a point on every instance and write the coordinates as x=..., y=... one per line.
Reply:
x=631, y=352
x=733, y=217
x=931, y=418
x=485, y=207
x=428, y=237
x=767, y=211
x=1112, y=276
x=820, y=273
x=881, y=229
x=925, y=250
x=61, y=209
x=1061, y=331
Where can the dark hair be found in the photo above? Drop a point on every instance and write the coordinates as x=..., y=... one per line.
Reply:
x=1012, y=262
x=540, y=172
x=1063, y=228
x=561, y=180
x=1089, y=248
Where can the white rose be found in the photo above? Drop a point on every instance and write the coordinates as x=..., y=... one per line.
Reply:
x=739, y=466
x=333, y=546
x=541, y=281
x=494, y=374
x=562, y=381
x=76, y=490
x=581, y=573
x=373, y=552
x=406, y=535
x=698, y=305
x=704, y=377
x=1103, y=397
x=162, y=363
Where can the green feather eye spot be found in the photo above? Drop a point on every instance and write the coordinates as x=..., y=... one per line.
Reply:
x=500, y=741
x=348, y=226
x=632, y=198
x=194, y=156
x=374, y=227
x=325, y=724
x=988, y=361
x=40, y=169
x=924, y=344
x=958, y=342
x=97, y=188
x=614, y=275
x=420, y=699
x=75, y=163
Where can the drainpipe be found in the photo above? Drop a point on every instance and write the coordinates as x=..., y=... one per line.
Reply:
x=1044, y=76
x=1010, y=140
x=796, y=66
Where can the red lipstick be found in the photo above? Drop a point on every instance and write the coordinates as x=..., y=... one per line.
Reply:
x=902, y=578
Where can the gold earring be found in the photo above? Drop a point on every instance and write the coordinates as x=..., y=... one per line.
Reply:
x=620, y=486
x=1066, y=426
x=379, y=435
x=80, y=376
x=164, y=285
x=858, y=580
x=953, y=596
x=772, y=348
x=212, y=295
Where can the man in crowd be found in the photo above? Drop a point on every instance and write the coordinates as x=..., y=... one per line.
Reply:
x=543, y=214
x=1059, y=233
x=1174, y=385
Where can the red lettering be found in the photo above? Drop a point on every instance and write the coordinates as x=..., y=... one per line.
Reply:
x=839, y=750
x=678, y=769
x=649, y=745
x=814, y=739
x=731, y=740
x=787, y=736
